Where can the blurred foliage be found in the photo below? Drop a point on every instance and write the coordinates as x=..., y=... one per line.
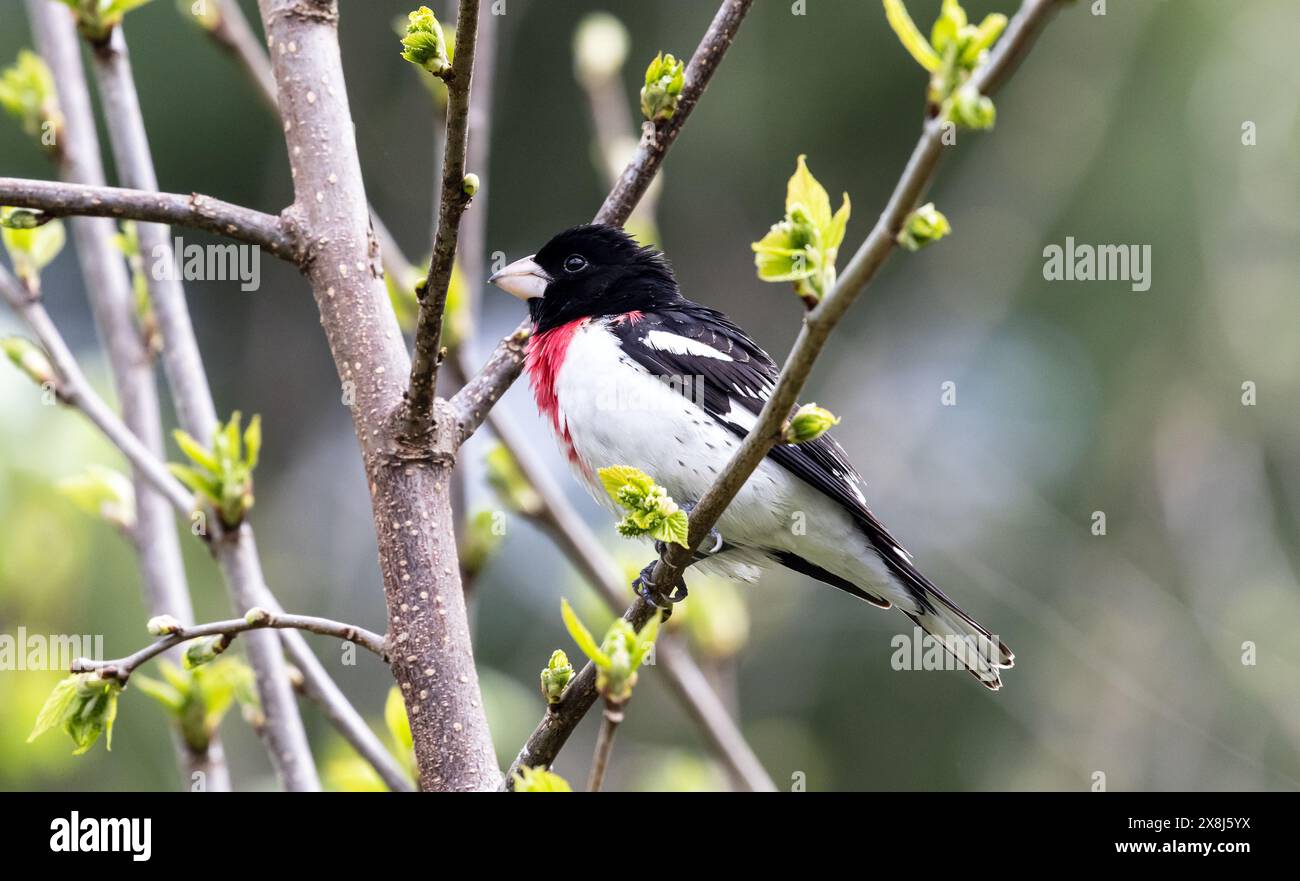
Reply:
x=1070, y=397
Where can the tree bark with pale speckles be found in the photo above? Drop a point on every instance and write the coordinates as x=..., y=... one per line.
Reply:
x=410, y=488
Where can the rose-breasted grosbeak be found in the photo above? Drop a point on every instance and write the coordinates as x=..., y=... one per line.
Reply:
x=629, y=372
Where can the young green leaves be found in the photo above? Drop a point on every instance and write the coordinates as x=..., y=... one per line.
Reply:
x=27, y=92
x=30, y=359
x=83, y=705
x=955, y=49
x=33, y=241
x=803, y=247
x=808, y=423
x=222, y=476
x=97, y=18
x=923, y=226
x=650, y=510
x=102, y=492
x=424, y=44
x=198, y=699
x=664, y=78
x=556, y=675
x=619, y=654
x=539, y=780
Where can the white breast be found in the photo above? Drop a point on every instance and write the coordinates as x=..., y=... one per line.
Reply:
x=617, y=413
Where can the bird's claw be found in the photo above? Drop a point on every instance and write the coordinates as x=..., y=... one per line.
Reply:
x=645, y=587
x=712, y=542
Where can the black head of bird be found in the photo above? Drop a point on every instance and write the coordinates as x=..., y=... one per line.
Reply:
x=588, y=271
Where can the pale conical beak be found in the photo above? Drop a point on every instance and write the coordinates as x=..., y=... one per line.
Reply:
x=523, y=279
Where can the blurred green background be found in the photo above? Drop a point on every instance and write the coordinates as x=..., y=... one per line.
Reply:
x=1072, y=397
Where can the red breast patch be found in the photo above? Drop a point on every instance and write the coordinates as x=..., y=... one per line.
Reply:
x=543, y=360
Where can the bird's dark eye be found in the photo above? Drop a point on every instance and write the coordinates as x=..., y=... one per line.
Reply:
x=575, y=263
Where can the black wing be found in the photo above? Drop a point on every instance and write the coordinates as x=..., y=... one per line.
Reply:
x=736, y=373
x=743, y=377
x=690, y=340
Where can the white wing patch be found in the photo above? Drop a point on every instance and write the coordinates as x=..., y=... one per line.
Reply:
x=666, y=341
x=740, y=416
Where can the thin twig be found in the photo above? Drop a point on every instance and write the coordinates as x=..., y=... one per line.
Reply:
x=418, y=411
x=188, y=381
x=59, y=199
x=73, y=389
x=235, y=35
x=433, y=660
x=256, y=619
x=153, y=536
x=610, y=720
x=283, y=734
x=504, y=364
x=554, y=729
x=672, y=658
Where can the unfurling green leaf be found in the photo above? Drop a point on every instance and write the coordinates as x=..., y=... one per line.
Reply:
x=163, y=625
x=910, y=35
x=803, y=247
x=969, y=109
x=955, y=49
x=539, y=780
x=581, y=635
x=424, y=44
x=102, y=492
x=664, y=78
x=923, y=226
x=555, y=676
x=617, y=657
x=29, y=358
x=27, y=92
x=650, y=511
x=222, y=476
x=198, y=699
x=32, y=240
x=809, y=423
x=513, y=488
x=97, y=18
x=21, y=218
x=203, y=651
x=84, y=705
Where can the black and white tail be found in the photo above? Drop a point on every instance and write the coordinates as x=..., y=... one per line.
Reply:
x=979, y=651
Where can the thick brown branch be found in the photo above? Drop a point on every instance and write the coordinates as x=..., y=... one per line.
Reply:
x=58, y=199
x=503, y=366
x=418, y=413
x=432, y=658
x=560, y=720
x=235, y=35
